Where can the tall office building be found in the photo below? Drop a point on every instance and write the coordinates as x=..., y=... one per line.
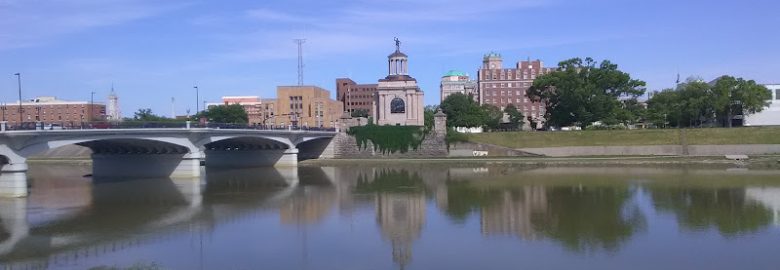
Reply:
x=301, y=106
x=501, y=86
x=356, y=96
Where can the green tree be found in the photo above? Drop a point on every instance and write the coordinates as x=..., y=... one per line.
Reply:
x=463, y=111
x=736, y=96
x=581, y=92
x=428, y=113
x=233, y=114
x=515, y=116
x=146, y=115
x=663, y=109
x=493, y=116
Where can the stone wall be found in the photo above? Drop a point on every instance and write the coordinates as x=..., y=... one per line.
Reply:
x=345, y=146
x=650, y=150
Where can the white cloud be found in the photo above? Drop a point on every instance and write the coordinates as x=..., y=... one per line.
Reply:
x=27, y=23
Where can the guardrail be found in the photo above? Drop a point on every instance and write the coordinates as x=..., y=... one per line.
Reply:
x=142, y=125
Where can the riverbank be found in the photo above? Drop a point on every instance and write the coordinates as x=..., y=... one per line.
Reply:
x=643, y=137
x=755, y=162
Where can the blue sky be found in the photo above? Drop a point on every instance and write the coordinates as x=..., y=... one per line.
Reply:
x=154, y=50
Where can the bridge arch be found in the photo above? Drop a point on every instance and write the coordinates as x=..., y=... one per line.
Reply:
x=245, y=143
x=118, y=145
x=314, y=147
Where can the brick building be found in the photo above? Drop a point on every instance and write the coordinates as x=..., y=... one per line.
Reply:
x=458, y=82
x=50, y=110
x=252, y=105
x=501, y=86
x=301, y=106
x=356, y=96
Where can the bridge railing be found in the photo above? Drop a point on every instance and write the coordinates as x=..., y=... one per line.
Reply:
x=69, y=125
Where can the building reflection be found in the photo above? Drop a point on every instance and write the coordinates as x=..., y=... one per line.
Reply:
x=400, y=205
x=512, y=214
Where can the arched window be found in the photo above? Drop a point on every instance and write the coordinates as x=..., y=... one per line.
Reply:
x=397, y=106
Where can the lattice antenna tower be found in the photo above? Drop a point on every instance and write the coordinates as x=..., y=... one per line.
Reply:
x=300, y=42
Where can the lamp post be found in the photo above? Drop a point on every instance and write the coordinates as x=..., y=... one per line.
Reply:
x=197, y=99
x=3, y=108
x=19, y=82
x=91, y=106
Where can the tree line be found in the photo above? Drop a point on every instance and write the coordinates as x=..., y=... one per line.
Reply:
x=591, y=94
x=224, y=114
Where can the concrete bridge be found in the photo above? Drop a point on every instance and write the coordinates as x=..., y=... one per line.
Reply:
x=162, y=152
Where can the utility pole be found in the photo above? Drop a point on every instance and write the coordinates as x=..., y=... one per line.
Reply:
x=197, y=100
x=91, y=106
x=300, y=42
x=173, y=108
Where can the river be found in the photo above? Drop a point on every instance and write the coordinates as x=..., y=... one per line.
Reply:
x=421, y=216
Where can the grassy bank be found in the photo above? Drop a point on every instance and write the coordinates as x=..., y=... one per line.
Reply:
x=719, y=136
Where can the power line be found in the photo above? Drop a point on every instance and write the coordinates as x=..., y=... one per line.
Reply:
x=300, y=42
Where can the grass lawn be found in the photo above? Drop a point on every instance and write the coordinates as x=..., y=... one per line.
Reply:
x=527, y=139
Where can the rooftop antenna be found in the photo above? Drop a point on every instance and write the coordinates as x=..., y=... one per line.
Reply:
x=300, y=42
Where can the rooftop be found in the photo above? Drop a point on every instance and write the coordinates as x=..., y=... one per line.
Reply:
x=455, y=73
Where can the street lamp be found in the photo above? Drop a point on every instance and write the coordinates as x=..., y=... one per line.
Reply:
x=197, y=99
x=91, y=105
x=3, y=108
x=19, y=81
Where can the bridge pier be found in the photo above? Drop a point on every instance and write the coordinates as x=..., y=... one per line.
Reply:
x=13, y=180
x=251, y=158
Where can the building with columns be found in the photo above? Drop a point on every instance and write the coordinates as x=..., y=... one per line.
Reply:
x=399, y=100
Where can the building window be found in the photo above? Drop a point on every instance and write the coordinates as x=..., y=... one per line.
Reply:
x=397, y=106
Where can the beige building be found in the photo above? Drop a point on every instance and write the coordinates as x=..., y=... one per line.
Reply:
x=399, y=100
x=51, y=110
x=458, y=82
x=301, y=106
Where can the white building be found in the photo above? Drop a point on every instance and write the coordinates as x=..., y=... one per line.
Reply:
x=770, y=116
x=399, y=100
x=458, y=82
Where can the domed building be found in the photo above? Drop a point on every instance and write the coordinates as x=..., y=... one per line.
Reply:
x=399, y=100
x=456, y=81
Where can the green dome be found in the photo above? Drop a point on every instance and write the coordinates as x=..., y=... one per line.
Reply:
x=454, y=73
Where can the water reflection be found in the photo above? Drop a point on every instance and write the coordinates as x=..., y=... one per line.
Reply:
x=72, y=221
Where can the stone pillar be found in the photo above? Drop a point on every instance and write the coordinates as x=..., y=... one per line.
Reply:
x=289, y=158
x=13, y=180
x=440, y=123
x=13, y=213
x=3, y=126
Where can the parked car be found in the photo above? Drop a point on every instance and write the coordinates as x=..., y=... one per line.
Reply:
x=53, y=127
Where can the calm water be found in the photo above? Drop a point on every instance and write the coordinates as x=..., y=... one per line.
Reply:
x=418, y=217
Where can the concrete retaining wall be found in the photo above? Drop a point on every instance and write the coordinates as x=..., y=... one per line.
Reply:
x=657, y=150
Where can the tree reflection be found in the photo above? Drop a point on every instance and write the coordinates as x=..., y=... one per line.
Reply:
x=589, y=218
x=726, y=209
